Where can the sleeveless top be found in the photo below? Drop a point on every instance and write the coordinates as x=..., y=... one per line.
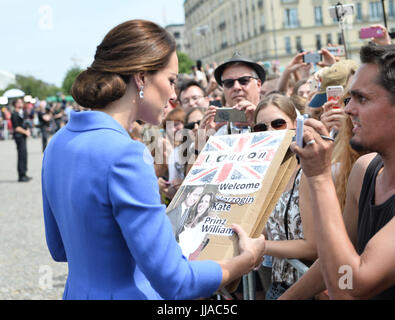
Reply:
x=373, y=217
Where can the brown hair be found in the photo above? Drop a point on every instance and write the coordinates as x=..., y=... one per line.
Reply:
x=345, y=157
x=282, y=102
x=131, y=47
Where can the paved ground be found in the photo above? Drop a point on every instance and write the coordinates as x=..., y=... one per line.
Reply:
x=27, y=270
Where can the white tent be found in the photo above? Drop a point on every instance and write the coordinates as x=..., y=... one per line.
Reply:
x=14, y=93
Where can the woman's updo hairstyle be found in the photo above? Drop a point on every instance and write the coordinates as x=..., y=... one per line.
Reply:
x=131, y=47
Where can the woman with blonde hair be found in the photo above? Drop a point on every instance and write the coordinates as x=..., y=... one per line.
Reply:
x=289, y=230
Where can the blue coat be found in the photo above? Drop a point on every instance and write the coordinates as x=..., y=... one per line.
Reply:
x=103, y=216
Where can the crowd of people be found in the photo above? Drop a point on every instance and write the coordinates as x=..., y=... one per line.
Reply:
x=327, y=216
x=22, y=119
x=271, y=101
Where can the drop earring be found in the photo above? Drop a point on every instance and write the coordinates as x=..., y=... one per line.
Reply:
x=141, y=93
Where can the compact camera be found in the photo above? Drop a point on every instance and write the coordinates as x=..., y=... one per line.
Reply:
x=371, y=32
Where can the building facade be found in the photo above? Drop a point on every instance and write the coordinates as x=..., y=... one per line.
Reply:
x=178, y=31
x=267, y=30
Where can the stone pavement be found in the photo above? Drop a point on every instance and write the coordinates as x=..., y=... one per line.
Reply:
x=27, y=270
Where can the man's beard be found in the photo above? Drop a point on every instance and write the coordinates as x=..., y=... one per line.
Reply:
x=357, y=146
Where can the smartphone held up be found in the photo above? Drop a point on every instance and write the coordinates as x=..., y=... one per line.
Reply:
x=371, y=32
x=312, y=57
x=334, y=93
x=229, y=115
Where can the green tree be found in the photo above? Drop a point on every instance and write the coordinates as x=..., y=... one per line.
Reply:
x=34, y=87
x=184, y=63
x=68, y=80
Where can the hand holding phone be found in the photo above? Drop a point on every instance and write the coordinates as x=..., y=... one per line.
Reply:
x=229, y=115
x=312, y=57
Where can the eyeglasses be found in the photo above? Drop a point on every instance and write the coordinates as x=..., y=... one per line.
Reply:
x=191, y=125
x=193, y=98
x=229, y=83
x=277, y=124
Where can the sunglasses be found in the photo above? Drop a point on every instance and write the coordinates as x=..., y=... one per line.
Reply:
x=229, y=83
x=191, y=125
x=346, y=101
x=277, y=124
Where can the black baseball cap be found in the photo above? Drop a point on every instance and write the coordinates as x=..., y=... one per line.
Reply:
x=237, y=58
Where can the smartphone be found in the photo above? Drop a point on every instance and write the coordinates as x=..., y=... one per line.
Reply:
x=299, y=130
x=334, y=93
x=229, y=115
x=371, y=32
x=336, y=51
x=312, y=57
x=341, y=10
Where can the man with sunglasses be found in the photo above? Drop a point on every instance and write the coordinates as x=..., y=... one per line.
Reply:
x=356, y=248
x=241, y=80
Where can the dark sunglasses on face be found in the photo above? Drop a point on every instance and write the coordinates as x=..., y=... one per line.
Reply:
x=191, y=125
x=229, y=83
x=346, y=101
x=277, y=124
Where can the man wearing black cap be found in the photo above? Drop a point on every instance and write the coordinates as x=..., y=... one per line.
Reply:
x=242, y=80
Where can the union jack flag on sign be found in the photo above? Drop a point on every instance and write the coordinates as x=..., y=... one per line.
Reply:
x=231, y=158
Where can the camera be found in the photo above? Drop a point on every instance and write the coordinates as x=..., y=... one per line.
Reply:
x=341, y=10
x=229, y=115
x=336, y=51
x=371, y=32
x=312, y=57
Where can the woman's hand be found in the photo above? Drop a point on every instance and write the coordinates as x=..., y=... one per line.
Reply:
x=254, y=247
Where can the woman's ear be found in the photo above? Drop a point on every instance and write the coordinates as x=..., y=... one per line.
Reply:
x=139, y=79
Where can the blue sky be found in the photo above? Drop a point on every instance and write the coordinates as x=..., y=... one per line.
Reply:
x=44, y=38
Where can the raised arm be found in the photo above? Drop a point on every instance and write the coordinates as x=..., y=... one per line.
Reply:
x=372, y=271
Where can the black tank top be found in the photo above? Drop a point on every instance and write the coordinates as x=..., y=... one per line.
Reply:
x=373, y=217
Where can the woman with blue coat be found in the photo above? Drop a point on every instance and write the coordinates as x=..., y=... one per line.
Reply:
x=102, y=208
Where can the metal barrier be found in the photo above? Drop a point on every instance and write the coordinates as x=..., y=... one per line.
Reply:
x=298, y=265
x=249, y=282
